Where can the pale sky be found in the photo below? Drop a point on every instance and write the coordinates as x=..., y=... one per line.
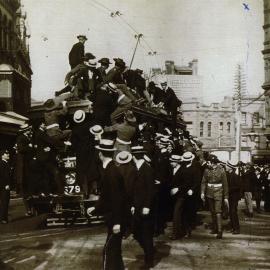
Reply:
x=219, y=33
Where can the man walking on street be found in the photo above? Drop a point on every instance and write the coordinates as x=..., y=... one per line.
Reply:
x=112, y=204
x=215, y=188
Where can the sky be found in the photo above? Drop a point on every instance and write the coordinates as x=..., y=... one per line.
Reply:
x=220, y=34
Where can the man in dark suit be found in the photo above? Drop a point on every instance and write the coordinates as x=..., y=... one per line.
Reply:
x=115, y=75
x=77, y=52
x=83, y=144
x=24, y=156
x=104, y=105
x=234, y=188
x=112, y=204
x=5, y=181
x=143, y=205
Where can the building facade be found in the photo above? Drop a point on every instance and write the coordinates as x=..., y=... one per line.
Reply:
x=15, y=68
x=213, y=124
x=184, y=80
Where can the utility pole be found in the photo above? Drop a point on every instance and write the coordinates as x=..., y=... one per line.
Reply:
x=138, y=37
x=240, y=85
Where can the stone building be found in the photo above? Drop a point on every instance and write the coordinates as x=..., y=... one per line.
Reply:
x=15, y=69
x=184, y=80
x=213, y=124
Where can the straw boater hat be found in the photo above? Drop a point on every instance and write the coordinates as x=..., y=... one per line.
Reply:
x=82, y=36
x=164, y=141
x=106, y=145
x=79, y=116
x=138, y=149
x=230, y=164
x=123, y=157
x=96, y=130
x=176, y=158
x=112, y=87
x=24, y=128
x=188, y=156
x=91, y=63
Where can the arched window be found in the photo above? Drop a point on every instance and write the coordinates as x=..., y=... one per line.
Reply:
x=201, y=128
x=209, y=129
x=229, y=127
x=221, y=127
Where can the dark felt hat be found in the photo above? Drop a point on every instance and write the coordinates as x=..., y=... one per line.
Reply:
x=88, y=56
x=82, y=36
x=105, y=61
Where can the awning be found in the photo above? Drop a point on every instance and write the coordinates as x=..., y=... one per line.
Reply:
x=10, y=122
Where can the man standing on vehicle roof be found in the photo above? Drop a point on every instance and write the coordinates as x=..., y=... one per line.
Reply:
x=77, y=52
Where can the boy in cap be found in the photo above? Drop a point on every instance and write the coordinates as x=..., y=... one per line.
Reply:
x=77, y=52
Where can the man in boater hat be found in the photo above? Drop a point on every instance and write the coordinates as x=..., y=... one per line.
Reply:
x=112, y=204
x=143, y=205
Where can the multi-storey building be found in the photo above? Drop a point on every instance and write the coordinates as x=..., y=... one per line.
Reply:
x=15, y=69
x=184, y=80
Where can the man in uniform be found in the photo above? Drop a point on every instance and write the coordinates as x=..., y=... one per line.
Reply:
x=77, y=52
x=5, y=181
x=214, y=187
x=115, y=75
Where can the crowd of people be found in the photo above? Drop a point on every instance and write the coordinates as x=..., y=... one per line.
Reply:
x=146, y=172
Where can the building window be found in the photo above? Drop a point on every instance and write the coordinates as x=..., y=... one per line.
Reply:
x=209, y=127
x=201, y=129
x=221, y=126
x=244, y=118
x=256, y=118
x=229, y=127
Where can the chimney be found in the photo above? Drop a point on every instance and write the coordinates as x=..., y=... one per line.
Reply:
x=194, y=65
x=169, y=67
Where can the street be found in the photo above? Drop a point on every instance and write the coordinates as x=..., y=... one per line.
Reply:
x=25, y=244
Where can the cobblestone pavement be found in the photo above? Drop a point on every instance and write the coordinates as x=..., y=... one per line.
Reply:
x=81, y=248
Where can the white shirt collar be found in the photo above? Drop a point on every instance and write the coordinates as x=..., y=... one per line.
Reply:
x=139, y=163
x=106, y=162
x=189, y=165
x=176, y=169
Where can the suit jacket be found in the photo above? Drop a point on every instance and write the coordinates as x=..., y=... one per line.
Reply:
x=144, y=188
x=171, y=102
x=76, y=54
x=104, y=105
x=125, y=131
x=187, y=178
x=115, y=76
x=112, y=201
x=5, y=173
